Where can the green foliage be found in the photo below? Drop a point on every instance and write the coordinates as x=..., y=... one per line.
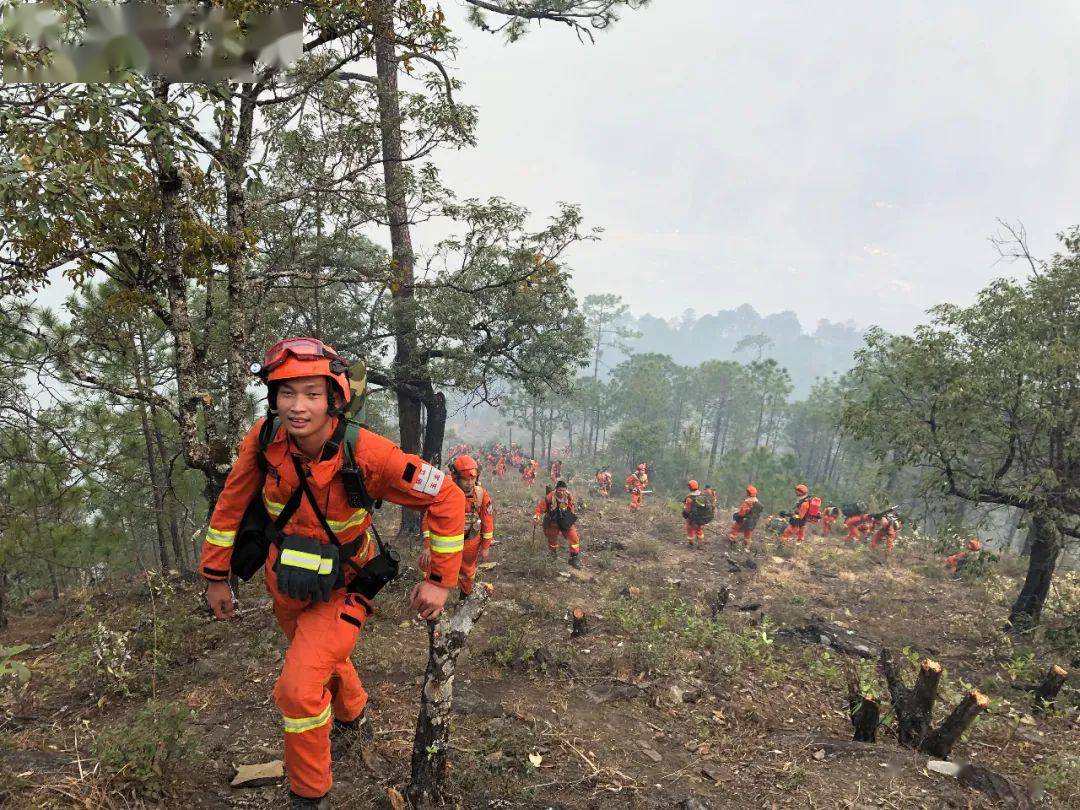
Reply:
x=144, y=750
x=11, y=669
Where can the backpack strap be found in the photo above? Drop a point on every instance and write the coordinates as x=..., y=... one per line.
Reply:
x=267, y=433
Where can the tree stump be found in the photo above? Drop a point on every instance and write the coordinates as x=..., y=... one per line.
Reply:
x=1046, y=692
x=863, y=709
x=447, y=637
x=914, y=706
x=580, y=623
x=940, y=741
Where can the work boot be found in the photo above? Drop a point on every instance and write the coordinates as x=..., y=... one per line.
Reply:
x=344, y=734
x=574, y=561
x=304, y=803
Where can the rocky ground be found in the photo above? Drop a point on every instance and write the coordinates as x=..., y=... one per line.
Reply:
x=136, y=698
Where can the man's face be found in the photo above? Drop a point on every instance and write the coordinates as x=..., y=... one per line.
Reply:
x=303, y=406
x=466, y=483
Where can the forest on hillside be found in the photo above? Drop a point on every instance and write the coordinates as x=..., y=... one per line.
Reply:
x=196, y=224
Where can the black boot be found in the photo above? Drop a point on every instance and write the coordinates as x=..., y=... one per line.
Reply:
x=574, y=561
x=304, y=803
x=344, y=734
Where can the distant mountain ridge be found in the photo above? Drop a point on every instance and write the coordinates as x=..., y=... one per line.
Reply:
x=692, y=340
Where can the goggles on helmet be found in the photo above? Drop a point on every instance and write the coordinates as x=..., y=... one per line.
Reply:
x=303, y=348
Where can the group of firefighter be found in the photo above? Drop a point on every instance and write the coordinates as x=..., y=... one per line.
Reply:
x=699, y=509
x=298, y=504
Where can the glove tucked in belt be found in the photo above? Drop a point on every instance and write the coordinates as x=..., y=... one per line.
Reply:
x=306, y=568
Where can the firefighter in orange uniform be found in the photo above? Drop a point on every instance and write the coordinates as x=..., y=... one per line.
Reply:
x=556, y=510
x=603, y=482
x=321, y=567
x=888, y=524
x=745, y=520
x=697, y=511
x=636, y=484
x=479, y=523
x=955, y=562
x=800, y=515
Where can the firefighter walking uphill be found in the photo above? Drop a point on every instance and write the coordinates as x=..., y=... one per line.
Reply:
x=298, y=504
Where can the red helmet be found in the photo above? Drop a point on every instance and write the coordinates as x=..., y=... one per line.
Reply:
x=464, y=467
x=751, y=490
x=292, y=358
x=692, y=484
x=801, y=489
x=974, y=544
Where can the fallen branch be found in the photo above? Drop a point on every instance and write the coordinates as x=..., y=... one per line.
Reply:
x=447, y=637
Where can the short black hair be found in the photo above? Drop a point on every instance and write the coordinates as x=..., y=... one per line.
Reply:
x=560, y=485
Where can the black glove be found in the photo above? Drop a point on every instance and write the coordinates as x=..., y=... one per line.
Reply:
x=298, y=566
x=330, y=571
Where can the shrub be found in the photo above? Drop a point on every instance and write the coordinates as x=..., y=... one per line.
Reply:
x=144, y=751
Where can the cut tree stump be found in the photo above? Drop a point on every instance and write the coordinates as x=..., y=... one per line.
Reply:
x=939, y=742
x=863, y=709
x=447, y=637
x=914, y=706
x=1046, y=692
x=580, y=623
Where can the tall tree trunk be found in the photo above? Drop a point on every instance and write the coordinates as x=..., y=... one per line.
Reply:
x=3, y=598
x=1045, y=548
x=168, y=499
x=156, y=492
x=235, y=151
x=409, y=368
x=532, y=446
x=171, y=187
x=715, y=440
x=434, y=427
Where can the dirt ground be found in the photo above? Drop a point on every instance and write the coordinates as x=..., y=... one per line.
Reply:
x=658, y=705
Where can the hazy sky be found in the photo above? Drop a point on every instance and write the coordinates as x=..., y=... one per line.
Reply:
x=840, y=159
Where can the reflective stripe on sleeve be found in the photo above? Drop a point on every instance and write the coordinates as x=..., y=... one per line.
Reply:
x=296, y=725
x=216, y=537
x=447, y=544
x=489, y=535
x=273, y=508
x=355, y=519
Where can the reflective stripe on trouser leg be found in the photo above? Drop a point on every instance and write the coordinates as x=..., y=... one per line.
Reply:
x=571, y=536
x=467, y=572
x=318, y=658
x=551, y=532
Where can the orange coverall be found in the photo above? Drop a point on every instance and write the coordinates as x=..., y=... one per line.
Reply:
x=857, y=526
x=694, y=533
x=603, y=481
x=318, y=680
x=546, y=509
x=797, y=526
x=636, y=483
x=886, y=534
x=744, y=527
x=479, y=535
x=828, y=518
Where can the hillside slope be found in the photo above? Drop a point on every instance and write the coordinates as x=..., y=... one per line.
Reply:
x=657, y=705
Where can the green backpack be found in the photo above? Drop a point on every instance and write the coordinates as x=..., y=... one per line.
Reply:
x=701, y=509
